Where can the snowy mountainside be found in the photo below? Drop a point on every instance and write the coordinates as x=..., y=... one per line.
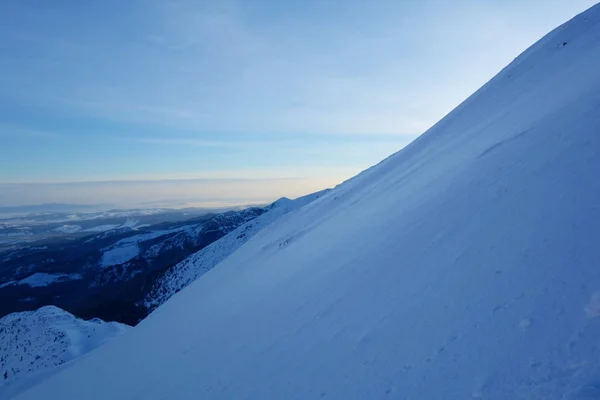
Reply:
x=33, y=341
x=465, y=266
x=22, y=230
x=107, y=274
x=194, y=266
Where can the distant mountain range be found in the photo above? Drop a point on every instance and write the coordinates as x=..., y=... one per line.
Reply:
x=104, y=270
x=50, y=207
x=116, y=272
x=116, y=265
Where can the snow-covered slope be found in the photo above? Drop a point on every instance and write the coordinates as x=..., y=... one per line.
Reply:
x=34, y=341
x=196, y=265
x=464, y=266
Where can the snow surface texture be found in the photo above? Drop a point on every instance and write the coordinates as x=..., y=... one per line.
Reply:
x=464, y=266
x=196, y=265
x=33, y=341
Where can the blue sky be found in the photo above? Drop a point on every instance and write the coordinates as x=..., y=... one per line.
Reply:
x=233, y=101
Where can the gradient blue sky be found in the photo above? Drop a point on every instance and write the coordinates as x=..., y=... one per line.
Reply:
x=235, y=101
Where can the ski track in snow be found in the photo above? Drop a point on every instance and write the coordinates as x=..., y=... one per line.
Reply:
x=466, y=266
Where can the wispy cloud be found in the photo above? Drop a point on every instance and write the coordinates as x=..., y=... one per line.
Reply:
x=257, y=67
x=234, y=174
x=190, y=142
x=105, y=103
x=318, y=145
x=171, y=89
x=193, y=26
x=14, y=131
x=164, y=111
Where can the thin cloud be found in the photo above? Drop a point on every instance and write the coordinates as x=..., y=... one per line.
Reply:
x=23, y=132
x=217, y=193
x=133, y=108
x=191, y=142
x=296, y=142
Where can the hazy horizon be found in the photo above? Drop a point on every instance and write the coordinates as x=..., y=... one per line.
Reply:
x=180, y=193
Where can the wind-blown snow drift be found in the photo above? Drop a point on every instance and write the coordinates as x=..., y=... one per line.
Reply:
x=465, y=266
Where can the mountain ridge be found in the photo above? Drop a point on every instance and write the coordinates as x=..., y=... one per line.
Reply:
x=195, y=265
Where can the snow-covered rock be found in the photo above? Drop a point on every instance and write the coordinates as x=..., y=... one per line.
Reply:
x=196, y=265
x=34, y=341
x=464, y=266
